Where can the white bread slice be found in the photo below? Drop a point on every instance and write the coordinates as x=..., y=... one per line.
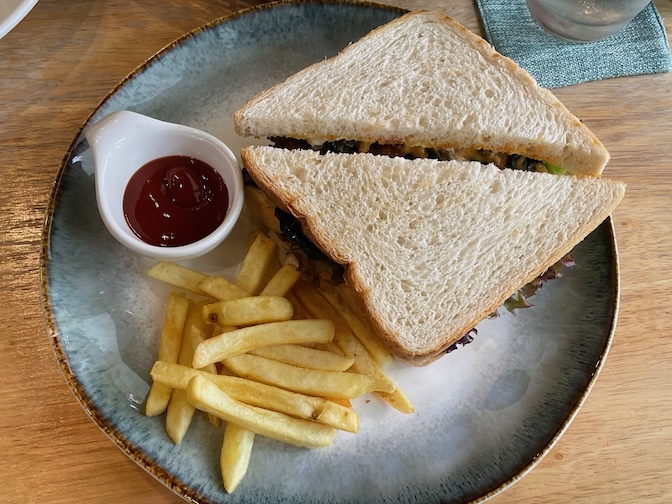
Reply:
x=431, y=247
x=425, y=80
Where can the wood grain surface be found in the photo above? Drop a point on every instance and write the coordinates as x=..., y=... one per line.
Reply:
x=64, y=57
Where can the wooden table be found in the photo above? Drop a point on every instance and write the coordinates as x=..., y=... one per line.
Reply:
x=65, y=56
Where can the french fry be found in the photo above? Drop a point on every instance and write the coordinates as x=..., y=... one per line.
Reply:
x=256, y=264
x=179, y=412
x=365, y=364
x=376, y=349
x=291, y=357
x=305, y=357
x=214, y=420
x=306, y=381
x=243, y=340
x=220, y=329
x=221, y=289
x=327, y=347
x=261, y=207
x=282, y=282
x=315, y=305
x=300, y=313
x=272, y=269
x=343, y=402
x=334, y=412
x=235, y=455
x=169, y=349
x=177, y=276
x=249, y=311
x=318, y=306
x=179, y=415
x=398, y=401
x=196, y=330
x=206, y=396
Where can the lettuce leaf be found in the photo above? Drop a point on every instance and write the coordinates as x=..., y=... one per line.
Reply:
x=519, y=299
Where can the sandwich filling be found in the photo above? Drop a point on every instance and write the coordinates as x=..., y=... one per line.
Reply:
x=499, y=159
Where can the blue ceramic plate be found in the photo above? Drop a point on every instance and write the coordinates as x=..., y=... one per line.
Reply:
x=486, y=414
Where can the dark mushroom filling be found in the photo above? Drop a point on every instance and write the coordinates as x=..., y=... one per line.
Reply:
x=500, y=159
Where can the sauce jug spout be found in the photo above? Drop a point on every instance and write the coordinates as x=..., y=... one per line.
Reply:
x=112, y=130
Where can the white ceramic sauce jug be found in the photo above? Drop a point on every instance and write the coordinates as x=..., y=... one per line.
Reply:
x=124, y=141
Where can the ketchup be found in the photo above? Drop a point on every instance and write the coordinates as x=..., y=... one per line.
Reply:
x=175, y=200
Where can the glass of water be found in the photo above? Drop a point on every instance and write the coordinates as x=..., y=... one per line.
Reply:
x=584, y=20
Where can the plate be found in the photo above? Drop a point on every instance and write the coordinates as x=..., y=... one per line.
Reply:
x=486, y=414
x=12, y=12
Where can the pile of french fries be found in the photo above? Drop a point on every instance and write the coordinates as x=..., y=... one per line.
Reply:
x=268, y=354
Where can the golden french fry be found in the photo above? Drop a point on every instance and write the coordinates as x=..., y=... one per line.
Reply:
x=326, y=347
x=282, y=282
x=341, y=402
x=271, y=270
x=235, y=455
x=179, y=414
x=220, y=329
x=318, y=306
x=300, y=312
x=398, y=401
x=206, y=396
x=256, y=264
x=177, y=276
x=303, y=380
x=249, y=311
x=302, y=356
x=243, y=340
x=334, y=412
x=169, y=350
x=196, y=329
x=216, y=421
x=365, y=364
x=221, y=289
x=261, y=207
x=376, y=349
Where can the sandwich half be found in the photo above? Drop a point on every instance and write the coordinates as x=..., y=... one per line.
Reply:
x=424, y=86
x=429, y=247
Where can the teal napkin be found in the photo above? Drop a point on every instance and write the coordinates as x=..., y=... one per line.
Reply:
x=639, y=48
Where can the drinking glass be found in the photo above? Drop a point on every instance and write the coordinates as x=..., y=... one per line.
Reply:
x=584, y=20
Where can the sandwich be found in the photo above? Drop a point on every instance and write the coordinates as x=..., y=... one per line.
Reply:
x=430, y=247
x=424, y=86
x=429, y=175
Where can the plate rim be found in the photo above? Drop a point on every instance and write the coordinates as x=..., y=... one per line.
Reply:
x=574, y=410
x=152, y=467
x=16, y=16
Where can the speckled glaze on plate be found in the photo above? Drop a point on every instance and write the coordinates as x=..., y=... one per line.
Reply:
x=486, y=414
